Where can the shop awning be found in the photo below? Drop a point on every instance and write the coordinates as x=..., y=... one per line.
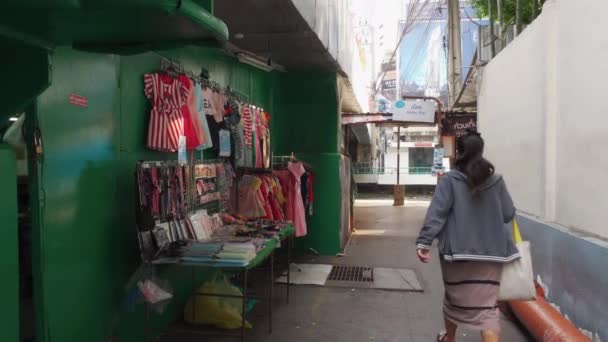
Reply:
x=119, y=26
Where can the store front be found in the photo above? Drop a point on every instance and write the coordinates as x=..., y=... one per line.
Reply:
x=86, y=126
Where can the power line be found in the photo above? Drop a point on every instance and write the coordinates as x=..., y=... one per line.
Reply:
x=418, y=52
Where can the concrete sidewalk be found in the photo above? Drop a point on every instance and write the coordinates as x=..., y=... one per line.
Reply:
x=385, y=238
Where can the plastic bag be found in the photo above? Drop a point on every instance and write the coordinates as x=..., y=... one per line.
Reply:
x=517, y=278
x=145, y=286
x=224, y=313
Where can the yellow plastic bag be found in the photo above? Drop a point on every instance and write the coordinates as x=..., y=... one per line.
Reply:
x=516, y=233
x=224, y=313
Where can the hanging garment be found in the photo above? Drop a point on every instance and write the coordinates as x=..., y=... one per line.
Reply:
x=247, y=125
x=264, y=196
x=259, y=135
x=311, y=197
x=167, y=96
x=208, y=101
x=284, y=178
x=225, y=149
x=304, y=186
x=193, y=129
x=299, y=214
x=238, y=145
x=214, y=130
x=250, y=203
x=219, y=100
x=265, y=119
x=200, y=109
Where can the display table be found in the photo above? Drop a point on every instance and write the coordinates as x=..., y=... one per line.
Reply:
x=267, y=253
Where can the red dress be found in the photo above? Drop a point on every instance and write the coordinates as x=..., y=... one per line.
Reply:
x=193, y=128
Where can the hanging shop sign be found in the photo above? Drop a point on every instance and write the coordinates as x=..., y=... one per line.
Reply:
x=414, y=111
x=457, y=125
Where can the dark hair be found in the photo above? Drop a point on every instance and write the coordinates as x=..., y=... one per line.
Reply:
x=470, y=161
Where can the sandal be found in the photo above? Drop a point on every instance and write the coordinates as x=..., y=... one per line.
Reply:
x=442, y=336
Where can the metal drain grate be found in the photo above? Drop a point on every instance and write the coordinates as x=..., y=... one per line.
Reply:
x=351, y=273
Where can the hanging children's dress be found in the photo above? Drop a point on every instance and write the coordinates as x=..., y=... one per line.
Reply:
x=299, y=214
x=167, y=96
x=259, y=135
x=200, y=108
x=193, y=129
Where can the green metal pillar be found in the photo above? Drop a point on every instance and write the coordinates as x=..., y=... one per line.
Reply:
x=9, y=244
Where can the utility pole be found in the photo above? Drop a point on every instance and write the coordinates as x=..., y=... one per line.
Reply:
x=454, y=50
x=534, y=9
x=501, y=21
x=492, y=46
x=517, y=17
x=398, y=191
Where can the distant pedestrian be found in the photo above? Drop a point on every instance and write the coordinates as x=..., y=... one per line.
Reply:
x=467, y=215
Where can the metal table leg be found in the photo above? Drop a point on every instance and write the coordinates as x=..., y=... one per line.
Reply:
x=271, y=293
x=194, y=296
x=244, y=307
x=289, y=246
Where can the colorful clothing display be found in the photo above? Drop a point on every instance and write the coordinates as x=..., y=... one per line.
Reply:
x=166, y=125
x=259, y=197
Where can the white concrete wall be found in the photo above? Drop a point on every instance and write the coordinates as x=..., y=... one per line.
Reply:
x=542, y=112
x=332, y=21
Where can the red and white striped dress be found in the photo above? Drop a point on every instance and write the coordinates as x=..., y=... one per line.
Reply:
x=167, y=96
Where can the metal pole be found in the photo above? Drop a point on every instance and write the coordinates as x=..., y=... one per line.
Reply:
x=454, y=51
x=534, y=9
x=398, y=153
x=491, y=12
x=271, y=292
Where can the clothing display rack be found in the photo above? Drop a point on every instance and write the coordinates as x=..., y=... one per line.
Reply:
x=282, y=161
x=174, y=68
x=174, y=187
x=189, y=211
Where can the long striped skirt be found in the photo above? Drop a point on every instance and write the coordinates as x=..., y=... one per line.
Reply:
x=471, y=289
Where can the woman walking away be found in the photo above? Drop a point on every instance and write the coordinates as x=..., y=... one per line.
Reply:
x=467, y=215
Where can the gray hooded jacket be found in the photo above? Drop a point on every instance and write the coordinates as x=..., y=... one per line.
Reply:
x=470, y=227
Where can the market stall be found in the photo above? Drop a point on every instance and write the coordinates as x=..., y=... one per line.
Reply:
x=229, y=213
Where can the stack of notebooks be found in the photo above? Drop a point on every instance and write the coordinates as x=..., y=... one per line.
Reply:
x=238, y=251
x=217, y=254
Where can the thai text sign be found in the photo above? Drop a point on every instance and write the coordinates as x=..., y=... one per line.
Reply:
x=414, y=111
x=457, y=125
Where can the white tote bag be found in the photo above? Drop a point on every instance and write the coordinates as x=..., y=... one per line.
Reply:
x=517, y=278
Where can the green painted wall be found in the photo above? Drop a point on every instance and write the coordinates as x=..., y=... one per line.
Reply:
x=9, y=263
x=308, y=125
x=83, y=186
x=86, y=238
